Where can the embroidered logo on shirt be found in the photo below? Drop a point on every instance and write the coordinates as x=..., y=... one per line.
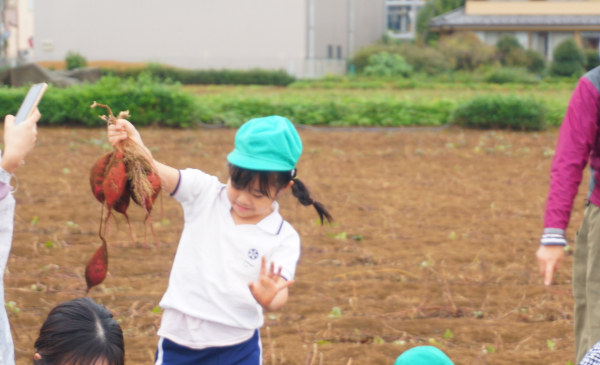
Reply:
x=253, y=254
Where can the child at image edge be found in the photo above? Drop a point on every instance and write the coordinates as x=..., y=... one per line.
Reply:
x=224, y=275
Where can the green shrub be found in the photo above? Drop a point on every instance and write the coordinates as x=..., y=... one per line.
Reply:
x=501, y=112
x=149, y=102
x=568, y=59
x=465, y=51
x=386, y=65
x=208, y=77
x=75, y=60
x=510, y=51
x=536, y=62
x=592, y=59
x=506, y=44
x=515, y=75
x=421, y=58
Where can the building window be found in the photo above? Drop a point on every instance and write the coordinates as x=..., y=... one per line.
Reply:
x=330, y=52
x=339, y=52
x=399, y=18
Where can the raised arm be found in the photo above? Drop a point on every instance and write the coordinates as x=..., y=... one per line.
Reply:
x=123, y=130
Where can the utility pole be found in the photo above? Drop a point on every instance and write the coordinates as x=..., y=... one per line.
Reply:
x=2, y=30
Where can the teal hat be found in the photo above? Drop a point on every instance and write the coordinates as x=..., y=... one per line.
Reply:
x=267, y=144
x=423, y=355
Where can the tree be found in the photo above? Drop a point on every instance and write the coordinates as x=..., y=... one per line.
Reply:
x=432, y=9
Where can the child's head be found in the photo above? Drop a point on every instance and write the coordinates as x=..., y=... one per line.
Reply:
x=80, y=332
x=263, y=166
x=423, y=355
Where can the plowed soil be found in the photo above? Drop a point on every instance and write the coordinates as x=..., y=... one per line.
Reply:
x=434, y=244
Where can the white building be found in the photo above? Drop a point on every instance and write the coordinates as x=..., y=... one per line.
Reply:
x=307, y=38
x=16, y=31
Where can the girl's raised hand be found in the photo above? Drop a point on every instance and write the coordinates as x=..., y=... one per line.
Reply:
x=268, y=284
x=122, y=130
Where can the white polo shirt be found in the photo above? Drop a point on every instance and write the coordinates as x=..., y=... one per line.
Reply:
x=208, y=302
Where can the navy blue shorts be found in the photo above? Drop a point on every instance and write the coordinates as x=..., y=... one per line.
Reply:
x=245, y=353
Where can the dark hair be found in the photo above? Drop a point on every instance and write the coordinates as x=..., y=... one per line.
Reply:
x=80, y=332
x=244, y=178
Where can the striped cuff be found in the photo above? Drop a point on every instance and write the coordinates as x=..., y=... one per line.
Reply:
x=553, y=239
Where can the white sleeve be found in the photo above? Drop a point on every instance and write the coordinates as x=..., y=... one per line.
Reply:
x=194, y=184
x=287, y=255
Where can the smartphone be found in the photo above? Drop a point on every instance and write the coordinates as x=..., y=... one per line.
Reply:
x=31, y=102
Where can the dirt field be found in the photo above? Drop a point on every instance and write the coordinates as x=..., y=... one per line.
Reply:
x=434, y=243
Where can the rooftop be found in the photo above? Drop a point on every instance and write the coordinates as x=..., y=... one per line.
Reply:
x=458, y=18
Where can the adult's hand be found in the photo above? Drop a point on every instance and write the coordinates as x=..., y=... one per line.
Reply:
x=18, y=140
x=549, y=259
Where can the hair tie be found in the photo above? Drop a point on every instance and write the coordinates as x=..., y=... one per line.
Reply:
x=294, y=177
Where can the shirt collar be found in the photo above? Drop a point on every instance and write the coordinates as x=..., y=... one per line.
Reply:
x=271, y=224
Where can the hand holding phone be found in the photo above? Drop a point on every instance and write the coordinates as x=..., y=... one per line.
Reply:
x=20, y=132
x=31, y=102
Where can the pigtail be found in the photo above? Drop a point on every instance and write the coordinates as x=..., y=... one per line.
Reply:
x=300, y=191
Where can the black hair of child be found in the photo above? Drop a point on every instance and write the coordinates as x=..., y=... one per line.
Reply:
x=80, y=332
x=243, y=178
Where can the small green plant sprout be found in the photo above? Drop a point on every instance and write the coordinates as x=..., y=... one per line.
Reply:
x=548, y=152
x=12, y=306
x=551, y=345
x=49, y=244
x=336, y=312
x=337, y=152
x=157, y=310
x=36, y=288
x=34, y=220
x=478, y=314
x=448, y=334
x=154, y=149
x=323, y=342
x=357, y=237
x=338, y=236
x=66, y=170
x=568, y=363
x=568, y=248
x=426, y=263
x=165, y=222
x=378, y=340
x=491, y=349
x=399, y=343
x=70, y=224
x=433, y=342
x=453, y=236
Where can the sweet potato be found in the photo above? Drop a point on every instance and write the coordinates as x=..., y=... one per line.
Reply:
x=97, y=267
x=97, y=176
x=115, y=180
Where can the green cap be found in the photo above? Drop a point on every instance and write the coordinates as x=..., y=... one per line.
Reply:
x=267, y=144
x=423, y=355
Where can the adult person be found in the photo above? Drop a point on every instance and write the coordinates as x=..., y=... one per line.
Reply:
x=80, y=332
x=18, y=141
x=578, y=142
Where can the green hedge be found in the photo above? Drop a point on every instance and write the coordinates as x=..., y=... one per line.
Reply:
x=208, y=77
x=233, y=111
x=507, y=75
x=152, y=103
x=501, y=112
x=149, y=102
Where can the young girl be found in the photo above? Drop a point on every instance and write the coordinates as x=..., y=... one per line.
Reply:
x=224, y=272
x=80, y=332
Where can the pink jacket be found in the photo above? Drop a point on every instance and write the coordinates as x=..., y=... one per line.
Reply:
x=578, y=141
